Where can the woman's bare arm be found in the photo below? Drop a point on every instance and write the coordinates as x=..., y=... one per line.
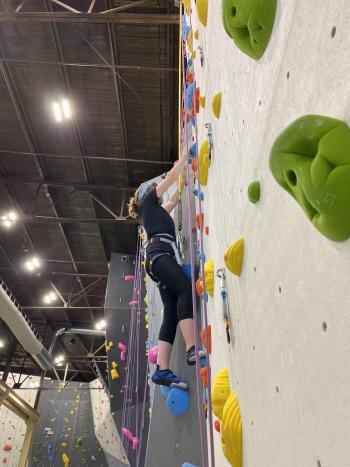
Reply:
x=171, y=178
x=170, y=205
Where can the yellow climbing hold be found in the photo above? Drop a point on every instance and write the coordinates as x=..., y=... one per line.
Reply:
x=146, y=299
x=209, y=276
x=63, y=445
x=65, y=458
x=216, y=104
x=202, y=10
x=202, y=101
x=204, y=162
x=234, y=257
x=231, y=431
x=194, y=55
x=196, y=34
x=220, y=392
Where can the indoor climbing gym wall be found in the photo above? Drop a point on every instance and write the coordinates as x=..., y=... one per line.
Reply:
x=266, y=96
x=65, y=433
x=13, y=428
x=126, y=348
x=105, y=429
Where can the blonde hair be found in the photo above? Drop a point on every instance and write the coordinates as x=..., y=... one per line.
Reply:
x=133, y=206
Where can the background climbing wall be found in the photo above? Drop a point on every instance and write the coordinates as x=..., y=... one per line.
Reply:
x=13, y=428
x=117, y=314
x=172, y=440
x=289, y=309
x=105, y=429
x=66, y=426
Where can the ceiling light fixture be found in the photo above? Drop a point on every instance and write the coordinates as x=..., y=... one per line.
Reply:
x=62, y=110
x=50, y=297
x=33, y=264
x=101, y=325
x=8, y=219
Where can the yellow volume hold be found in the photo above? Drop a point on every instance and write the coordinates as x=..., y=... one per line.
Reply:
x=231, y=431
x=209, y=276
x=234, y=257
x=202, y=10
x=204, y=162
x=216, y=105
x=220, y=392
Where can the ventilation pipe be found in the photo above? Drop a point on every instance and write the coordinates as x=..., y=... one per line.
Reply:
x=85, y=332
x=22, y=329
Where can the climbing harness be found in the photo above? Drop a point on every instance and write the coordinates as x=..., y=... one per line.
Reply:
x=223, y=292
x=149, y=262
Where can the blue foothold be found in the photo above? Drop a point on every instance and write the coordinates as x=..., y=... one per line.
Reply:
x=186, y=464
x=178, y=401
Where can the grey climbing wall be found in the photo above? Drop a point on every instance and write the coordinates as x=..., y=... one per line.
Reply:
x=66, y=426
x=172, y=440
x=117, y=314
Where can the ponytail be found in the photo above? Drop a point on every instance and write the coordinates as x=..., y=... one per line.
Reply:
x=133, y=207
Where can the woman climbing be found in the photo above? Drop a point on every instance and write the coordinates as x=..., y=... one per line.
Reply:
x=163, y=267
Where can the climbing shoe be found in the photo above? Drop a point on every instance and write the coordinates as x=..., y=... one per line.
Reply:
x=167, y=378
x=191, y=355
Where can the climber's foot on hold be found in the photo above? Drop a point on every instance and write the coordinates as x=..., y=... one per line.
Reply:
x=167, y=378
x=191, y=355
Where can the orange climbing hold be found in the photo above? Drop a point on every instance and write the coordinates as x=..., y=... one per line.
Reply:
x=217, y=425
x=204, y=375
x=198, y=220
x=203, y=338
x=199, y=286
x=206, y=229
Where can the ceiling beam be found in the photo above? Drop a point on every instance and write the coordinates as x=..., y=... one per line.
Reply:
x=102, y=158
x=14, y=179
x=34, y=61
x=70, y=17
x=76, y=220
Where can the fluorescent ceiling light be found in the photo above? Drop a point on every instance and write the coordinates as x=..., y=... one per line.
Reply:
x=57, y=111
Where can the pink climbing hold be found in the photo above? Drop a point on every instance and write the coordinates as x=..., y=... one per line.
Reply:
x=122, y=349
x=133, y=303
x=153, y=355
x=129, y=277
x=135, y=442
x=127, y=433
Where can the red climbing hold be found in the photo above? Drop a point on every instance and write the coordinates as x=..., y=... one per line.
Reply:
x=206, y=229
x=217, y=426
x=7, y=447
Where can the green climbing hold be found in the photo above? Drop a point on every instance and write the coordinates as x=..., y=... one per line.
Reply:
x=79, y=442
x=311, y=160
x=254, y=192
x=249, y=23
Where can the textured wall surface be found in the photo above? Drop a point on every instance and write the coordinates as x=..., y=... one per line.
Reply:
x=13, y=428
x=117, y=314
x=105, y=429
x=290, y=307
x=66, y=426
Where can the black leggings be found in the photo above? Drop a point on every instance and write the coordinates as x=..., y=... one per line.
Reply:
x=176, y=292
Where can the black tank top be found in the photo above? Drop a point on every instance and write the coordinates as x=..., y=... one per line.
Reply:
x=156, y=220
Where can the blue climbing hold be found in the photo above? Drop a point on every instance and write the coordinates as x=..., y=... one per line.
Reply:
x=186, y=464
x=177, y=400
x=191, y=89
x=194, y=150
x=199, y=194
x=187, y=269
